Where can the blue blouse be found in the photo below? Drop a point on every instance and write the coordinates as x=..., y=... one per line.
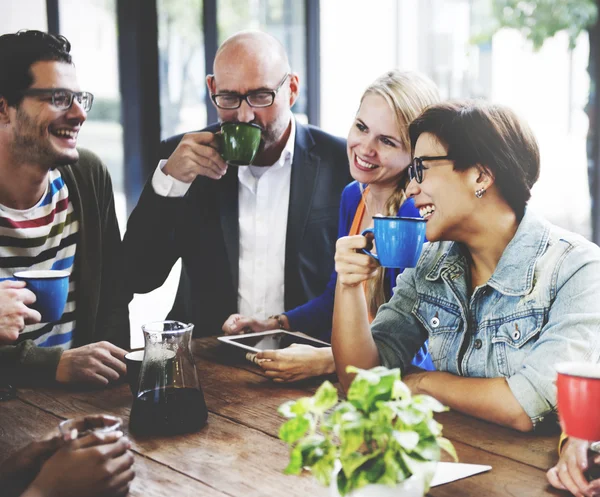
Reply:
x=315, y=317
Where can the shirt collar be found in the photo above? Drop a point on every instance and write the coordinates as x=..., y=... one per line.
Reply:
x=511, y=277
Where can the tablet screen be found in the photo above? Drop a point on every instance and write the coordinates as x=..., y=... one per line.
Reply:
x=275, y=341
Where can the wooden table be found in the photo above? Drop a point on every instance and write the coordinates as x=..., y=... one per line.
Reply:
x=238, y=452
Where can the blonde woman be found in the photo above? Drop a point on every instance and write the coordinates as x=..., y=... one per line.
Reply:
x=379, y=153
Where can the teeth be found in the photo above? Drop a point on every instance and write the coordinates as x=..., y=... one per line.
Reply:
x=426, y=211
x=65, y=133
x=365, y=164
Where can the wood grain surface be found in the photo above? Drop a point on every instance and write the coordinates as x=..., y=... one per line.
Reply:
x=238, y=453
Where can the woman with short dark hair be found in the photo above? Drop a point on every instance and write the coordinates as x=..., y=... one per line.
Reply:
x=500, y=293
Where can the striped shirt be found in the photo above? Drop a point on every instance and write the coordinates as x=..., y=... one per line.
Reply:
x=43, y=237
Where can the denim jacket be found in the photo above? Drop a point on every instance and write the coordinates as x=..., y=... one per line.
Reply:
x=541, y=306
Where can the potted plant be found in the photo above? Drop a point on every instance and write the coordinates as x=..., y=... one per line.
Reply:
x=381, y=439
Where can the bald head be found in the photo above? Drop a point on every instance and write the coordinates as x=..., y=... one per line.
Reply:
x=252, y=62
x=252, y=49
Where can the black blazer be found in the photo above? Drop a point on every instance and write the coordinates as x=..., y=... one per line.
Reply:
x=202, y=228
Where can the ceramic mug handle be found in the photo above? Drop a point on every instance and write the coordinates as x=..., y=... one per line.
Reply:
x=368, y=252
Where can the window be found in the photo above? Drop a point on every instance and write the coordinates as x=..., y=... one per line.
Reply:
x=284, y=19
x=94, y=50
x=181, y=66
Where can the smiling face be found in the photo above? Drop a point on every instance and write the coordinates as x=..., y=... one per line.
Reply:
x=375, y=151
x=445, y=198
x=43, y=134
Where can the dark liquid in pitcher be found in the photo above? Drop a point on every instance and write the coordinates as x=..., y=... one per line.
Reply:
x=168, y=411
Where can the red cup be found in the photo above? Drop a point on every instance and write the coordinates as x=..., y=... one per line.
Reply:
x=578, y=385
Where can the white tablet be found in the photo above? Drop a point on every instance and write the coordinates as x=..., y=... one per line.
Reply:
x=270, y=340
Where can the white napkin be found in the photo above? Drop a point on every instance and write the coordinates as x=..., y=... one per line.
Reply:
x=446, y=472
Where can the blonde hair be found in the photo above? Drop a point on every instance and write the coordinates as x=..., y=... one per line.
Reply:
x=407, y=93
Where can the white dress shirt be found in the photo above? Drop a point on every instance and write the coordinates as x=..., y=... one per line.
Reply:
x=263, y=199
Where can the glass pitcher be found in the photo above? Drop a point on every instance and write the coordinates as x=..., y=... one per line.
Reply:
x=169, y=399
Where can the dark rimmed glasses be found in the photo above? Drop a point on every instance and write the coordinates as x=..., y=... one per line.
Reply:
x=416, y=168
x=256, y=98
x=62, y=98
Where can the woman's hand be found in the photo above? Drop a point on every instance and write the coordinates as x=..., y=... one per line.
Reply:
x=296, y=362
x=353, y=267
x=568, y=474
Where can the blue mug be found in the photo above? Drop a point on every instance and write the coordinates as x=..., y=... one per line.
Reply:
x=51, y=288
x=399, y=240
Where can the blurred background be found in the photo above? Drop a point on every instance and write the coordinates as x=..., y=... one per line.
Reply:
x=146, y=61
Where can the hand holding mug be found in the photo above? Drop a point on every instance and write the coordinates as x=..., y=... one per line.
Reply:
x=94, y=465
x=399, y=240
x=575, y=461
x=15, y=312
x=351, y=266
x=196, y=155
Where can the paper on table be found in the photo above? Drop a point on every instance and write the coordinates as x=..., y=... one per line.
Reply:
x=446, y=472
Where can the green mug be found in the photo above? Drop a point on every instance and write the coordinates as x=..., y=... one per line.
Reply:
x=240, y=142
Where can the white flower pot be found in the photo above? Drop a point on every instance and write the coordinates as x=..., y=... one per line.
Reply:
x=413, y=487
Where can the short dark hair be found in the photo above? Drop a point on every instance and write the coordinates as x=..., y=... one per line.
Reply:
x=493, y=136
x=19, y=51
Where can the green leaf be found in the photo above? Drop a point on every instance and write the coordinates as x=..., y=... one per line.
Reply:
x=426, y=403
x=302, y=406
x=427, y=449
x=447, y=446
x=539, y=20
x=352, y=437
x=394, y=470
x=410, y=417
x=401, y=390
x=295, y=465
x=323, y=470
x=294, y=429
x=370, y=386
x=352, y=462
x=408, y=440
x=325, y=397
x=285, y=409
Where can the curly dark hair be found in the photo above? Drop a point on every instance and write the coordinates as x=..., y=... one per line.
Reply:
x=19, y=51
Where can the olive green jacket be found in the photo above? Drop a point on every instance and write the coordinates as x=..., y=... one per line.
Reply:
x=101, y=299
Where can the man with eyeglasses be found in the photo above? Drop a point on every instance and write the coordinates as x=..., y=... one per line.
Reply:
x=256, y=239
x=56, y=212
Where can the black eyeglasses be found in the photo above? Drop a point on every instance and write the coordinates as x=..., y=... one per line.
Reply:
x=257, y=98
x=415, y=168
x=62, y=98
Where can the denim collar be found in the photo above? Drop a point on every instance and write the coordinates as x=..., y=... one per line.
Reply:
x=512, y=276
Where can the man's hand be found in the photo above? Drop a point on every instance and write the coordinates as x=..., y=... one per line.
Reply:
x=568, y=474
x=94, y=465
x=236, y=324
x=196, y=155
x=296, y=362
x=97, y=364
x=14, y=313
x=353, y=267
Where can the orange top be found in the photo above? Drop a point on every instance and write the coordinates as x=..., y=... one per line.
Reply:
x=355, y=230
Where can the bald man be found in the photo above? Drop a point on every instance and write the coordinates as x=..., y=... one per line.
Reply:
x=259, y=239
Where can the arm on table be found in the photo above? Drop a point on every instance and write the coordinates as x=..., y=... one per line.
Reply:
x=486, y=398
